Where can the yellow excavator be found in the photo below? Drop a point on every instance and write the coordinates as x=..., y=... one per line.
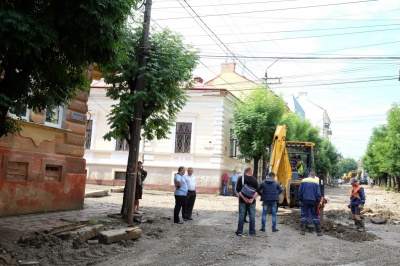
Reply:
x=353, y=174
x=287, y=175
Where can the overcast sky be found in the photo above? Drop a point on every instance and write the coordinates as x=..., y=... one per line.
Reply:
x=343, y=53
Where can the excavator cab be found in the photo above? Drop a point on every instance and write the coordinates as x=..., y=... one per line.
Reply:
x=301, y=158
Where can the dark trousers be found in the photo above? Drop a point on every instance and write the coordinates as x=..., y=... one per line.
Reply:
x=188, y=206
x=179, y=202
x=307, y=207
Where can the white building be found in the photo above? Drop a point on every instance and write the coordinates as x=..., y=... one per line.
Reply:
x=200, y=139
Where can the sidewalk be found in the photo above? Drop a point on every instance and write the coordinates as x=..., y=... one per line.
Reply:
x=92, y=209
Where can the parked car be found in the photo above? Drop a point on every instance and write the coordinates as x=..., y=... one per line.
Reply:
x=340, y=181
x=363, y=181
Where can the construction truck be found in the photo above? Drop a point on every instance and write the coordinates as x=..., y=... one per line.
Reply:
x=287, y=175
x=353, y=174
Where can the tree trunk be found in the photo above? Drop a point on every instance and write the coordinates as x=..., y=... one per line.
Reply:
x=130, y=173
x=264, y=167
x=255, y=170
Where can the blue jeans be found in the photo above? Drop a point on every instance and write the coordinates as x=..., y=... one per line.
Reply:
x=269, y=204
x=225, y=190
x=233, y=188
x=307, y=207
x=252, y=217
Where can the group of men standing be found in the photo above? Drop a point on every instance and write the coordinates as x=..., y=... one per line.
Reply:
x=185, y=194
x=225, y=180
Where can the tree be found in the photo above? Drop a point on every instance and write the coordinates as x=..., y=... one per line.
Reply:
x=46, y=46
x=167, y=75
x=299, y=130
x=393, y=147
x=254, y=122
x=346, y=165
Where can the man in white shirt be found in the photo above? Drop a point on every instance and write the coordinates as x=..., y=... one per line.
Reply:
x=191, y=195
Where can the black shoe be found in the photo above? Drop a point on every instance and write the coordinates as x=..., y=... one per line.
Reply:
x=185, y=219
x=180, y=222
x=275, y=230
x=246, y=221
x=263, y=230
x=239, y=234
x=190, y=218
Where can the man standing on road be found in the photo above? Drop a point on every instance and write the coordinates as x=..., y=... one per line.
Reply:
x=246, y=188
x=225, y=179
x=180, y=193
x=141, y=176
x=191, y=195
x=270, y=190
x=357, y=201
x=309, y=195
x=233, y=177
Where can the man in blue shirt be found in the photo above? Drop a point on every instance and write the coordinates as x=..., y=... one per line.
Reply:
x=180, y=193
x=233, y=177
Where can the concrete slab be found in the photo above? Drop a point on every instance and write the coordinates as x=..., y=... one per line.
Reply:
x=82, y=234
x=96, y=194
x=111, y=236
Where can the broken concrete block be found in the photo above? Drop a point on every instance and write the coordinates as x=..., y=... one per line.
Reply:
x=96, y=194
x=82, y=234
x=111, y=236
x=117, y=190
x=378, y=220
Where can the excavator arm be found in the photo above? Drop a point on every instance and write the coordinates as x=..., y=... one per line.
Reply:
x=279, y=161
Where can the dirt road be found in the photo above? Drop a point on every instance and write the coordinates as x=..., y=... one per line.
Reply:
x=210, y=238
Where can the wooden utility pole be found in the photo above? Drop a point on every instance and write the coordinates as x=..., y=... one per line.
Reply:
x=138, y=108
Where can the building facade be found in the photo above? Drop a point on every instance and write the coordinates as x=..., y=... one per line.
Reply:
x=42, y=167
x=201, y=138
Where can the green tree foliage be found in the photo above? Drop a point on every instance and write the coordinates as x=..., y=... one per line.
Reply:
x=346, y=165
x=169, y=70
x=383, y=150
x=254, y=122
x=47, y=45
x=298, y=130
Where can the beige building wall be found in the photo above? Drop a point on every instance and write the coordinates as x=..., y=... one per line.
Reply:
x=210, y=112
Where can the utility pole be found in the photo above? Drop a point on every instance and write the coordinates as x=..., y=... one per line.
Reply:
x=138, y=108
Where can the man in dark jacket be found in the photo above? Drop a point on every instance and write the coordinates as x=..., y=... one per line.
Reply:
x=270, y=190
x=309, y=194
x=247, y=198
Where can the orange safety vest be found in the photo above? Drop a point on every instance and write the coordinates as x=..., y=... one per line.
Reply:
x=354, y=192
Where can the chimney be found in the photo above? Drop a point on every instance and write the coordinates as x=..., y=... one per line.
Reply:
x=198, y=80
x=228, y=67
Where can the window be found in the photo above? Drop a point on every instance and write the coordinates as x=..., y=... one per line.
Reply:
x=120, y=175
x=121, y=145
x=17, y=171
x=53, y=115
x=183, y=137
x=89, y=126
x=52, y=173
x=20, y=111
x=232, y=145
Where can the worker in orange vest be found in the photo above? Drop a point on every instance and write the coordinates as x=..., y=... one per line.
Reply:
x=357, y=201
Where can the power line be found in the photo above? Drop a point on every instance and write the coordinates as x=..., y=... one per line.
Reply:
x=311, y=36
x=270, y=10
x=233, y=55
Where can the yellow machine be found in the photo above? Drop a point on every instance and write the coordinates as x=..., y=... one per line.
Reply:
x=353, y=174
x=279, y=163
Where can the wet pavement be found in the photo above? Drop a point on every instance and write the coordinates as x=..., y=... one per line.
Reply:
x=92, y=209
